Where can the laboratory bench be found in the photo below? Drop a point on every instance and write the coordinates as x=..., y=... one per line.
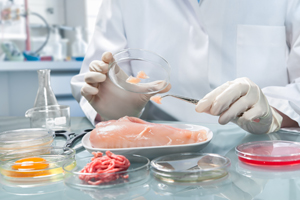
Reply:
x=19, y=85
x=243, y=182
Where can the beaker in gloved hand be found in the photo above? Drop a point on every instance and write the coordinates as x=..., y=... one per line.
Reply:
x=45, y=95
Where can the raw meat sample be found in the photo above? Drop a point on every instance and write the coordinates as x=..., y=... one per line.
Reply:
x=156, y=99
x=137, y=79
x=130, y=132
x=142, y=75
x=104, y=168
x=133, y=80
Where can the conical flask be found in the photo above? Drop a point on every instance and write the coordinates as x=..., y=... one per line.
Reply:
x=45, y=95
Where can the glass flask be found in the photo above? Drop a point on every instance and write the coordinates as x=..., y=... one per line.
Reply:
x=45, y=95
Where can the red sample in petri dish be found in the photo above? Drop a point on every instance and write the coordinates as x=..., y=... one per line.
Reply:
x=269, y=153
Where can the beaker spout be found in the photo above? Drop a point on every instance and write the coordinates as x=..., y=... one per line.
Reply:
x=28, y=113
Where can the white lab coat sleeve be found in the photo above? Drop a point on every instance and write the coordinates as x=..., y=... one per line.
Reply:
x=109, y=35
x=287, y=99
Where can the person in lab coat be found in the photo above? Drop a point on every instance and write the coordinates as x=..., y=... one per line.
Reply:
x=211, y=46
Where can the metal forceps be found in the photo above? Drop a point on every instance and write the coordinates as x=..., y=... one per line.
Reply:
x=187, y=99
x=71, y=137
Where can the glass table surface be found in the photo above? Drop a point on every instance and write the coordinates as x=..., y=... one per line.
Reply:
x=243, y=182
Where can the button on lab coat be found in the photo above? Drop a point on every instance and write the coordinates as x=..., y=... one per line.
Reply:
x=206, y=45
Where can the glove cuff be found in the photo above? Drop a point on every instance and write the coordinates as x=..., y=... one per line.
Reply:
x=276, y=121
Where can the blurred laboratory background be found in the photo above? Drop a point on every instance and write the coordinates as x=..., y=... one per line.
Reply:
x=44, y=35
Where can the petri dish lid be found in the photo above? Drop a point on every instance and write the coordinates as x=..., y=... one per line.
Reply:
x=190, y=167
x=24, y=138
x=269, y=153
x=133, y=61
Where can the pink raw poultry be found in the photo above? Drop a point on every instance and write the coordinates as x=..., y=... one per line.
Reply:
x=130, y=132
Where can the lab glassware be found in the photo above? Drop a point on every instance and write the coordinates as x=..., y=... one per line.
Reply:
x=138, y=171
x=130, y=62
x=36, y=164
x=45, y=95
x=54, y=117
x=25, y=138
x=57, y=46
x=190, y=167
x=269, y=153
x=79, y=46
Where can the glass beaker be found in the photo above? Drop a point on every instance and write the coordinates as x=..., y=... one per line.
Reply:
x=45, y=95
x=55, y=117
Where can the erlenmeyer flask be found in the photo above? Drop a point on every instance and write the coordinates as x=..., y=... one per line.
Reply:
x=45, y=95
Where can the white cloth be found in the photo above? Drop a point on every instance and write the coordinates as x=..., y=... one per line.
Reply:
x=206, y=45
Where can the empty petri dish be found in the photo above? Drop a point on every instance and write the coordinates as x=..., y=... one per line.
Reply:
x=36, y=164
x=138, y=170
x=132, y=62
x=269, y=153
x=24, y=138
x=190, y=167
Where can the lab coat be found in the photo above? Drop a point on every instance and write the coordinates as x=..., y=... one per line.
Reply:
x=206, y=45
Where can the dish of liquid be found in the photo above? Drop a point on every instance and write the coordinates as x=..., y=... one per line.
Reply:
x=47, y=165
x=36, y=162
x=269, y=153
x=190, y=167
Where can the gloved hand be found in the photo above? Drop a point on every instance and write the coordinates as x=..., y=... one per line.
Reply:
x=242, y=102
x=110, y=101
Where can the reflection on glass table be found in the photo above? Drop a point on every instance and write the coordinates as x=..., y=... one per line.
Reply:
x=243, y=182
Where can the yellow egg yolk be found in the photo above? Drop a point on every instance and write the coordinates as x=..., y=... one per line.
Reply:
x=32, y=163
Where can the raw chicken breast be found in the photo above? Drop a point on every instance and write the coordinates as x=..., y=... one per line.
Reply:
x=130, y=132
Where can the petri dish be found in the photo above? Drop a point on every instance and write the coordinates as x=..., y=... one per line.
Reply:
x=133, y=61
x=39, y=164
x=269, y=153
x=25, y=138
x=138, y=170
x=190, y=167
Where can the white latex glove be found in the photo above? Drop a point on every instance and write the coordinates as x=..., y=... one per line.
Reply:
x=242, y=102
x=110, y=101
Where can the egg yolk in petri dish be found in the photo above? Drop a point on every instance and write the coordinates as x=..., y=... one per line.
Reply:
x=33, y=163
x=28, y=167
